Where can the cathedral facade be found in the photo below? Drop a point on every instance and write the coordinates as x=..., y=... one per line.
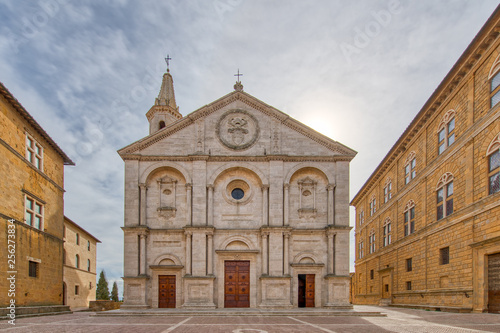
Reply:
x=234, y=205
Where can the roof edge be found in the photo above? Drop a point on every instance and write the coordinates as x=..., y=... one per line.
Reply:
x=29, y=118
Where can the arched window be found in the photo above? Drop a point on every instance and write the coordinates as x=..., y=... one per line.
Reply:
x=444, y=196
x=410, y=167
x=371, y=240
x=88, y=245
x=360, y=250
x=77, y=261
x=493, y=154
x=373, y=205
x=409, y=218
x=361, y=217
x=446, y=131
x=494, y=78
x=77, y=239
x=88, y=265
x=162, y=124
x=387, y=190
x=387, y=231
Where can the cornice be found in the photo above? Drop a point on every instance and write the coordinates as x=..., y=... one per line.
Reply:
x=242, y=158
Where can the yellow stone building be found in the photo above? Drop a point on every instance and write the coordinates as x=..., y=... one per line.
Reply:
x=31, y=210
x=80, y=252
x=427, y=220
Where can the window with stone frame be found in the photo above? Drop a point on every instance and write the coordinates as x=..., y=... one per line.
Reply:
x=360, y=249
x=494, y=78
x=371, y=241
x=77, y=239
x=372, y=274
x=88, y=265
x=408, y=285
x=387, y=190
x=34, y=152
x=409, y=264
x=444, y=196
x=33, y=269
x=373, y=206
x=493, y=154
x=361, y=217
x=409, y=218
x=410, y=167
x=77, y=261
x=34, y=211
x=444, y=256
x=386, y=232
x=446, y=131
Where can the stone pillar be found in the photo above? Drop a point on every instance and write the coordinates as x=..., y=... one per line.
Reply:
x=189, y=235
x=143, y=188
x=286, y=204
x=331, y=204
x=210, y=205
x=265, y=205
x=143, y=257
x=286, y=263
x=210, y=253
x=189, y=203
x=265, y=246
x=331, y=253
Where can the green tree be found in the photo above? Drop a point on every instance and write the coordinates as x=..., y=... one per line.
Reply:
x=114, y=292
x=102, y=291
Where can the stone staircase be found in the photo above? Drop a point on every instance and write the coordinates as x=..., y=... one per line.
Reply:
x=240, y=312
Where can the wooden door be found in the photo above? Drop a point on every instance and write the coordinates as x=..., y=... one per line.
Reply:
x=386, y=288
x=310, y=290
x=494, y=283
x=237, y=284
x=166, y=291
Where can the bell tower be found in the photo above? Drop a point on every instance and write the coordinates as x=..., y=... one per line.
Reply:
x=165, y=111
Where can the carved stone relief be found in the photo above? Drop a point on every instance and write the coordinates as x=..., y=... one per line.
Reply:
x=237, y=129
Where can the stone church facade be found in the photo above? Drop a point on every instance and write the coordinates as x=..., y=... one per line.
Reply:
x=234, y=205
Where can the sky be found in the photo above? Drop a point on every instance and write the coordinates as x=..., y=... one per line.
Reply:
x=88, y=71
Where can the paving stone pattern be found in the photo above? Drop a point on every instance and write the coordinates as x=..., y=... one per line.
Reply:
x=397, y=320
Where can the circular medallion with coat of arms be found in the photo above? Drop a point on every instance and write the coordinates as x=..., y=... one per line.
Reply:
x=237, y=129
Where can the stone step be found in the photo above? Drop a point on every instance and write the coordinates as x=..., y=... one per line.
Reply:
x=34, y=311
x=239, y=313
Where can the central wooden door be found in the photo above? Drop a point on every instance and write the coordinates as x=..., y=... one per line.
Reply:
x=166, y=291
x=236, y=284
x=494, y=283
x=306, y=290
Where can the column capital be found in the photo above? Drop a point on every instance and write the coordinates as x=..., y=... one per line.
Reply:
x=287, y=234
x=143, y=235
x=330, y=233
x=264, y=233
x=286, y=186
x=189, y=185
x=210, y=186
x=264, y=187
x=143, y=186
x=330, y=187
x=188, y=232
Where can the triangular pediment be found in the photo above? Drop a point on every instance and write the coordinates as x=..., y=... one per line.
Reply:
x=233, y=121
